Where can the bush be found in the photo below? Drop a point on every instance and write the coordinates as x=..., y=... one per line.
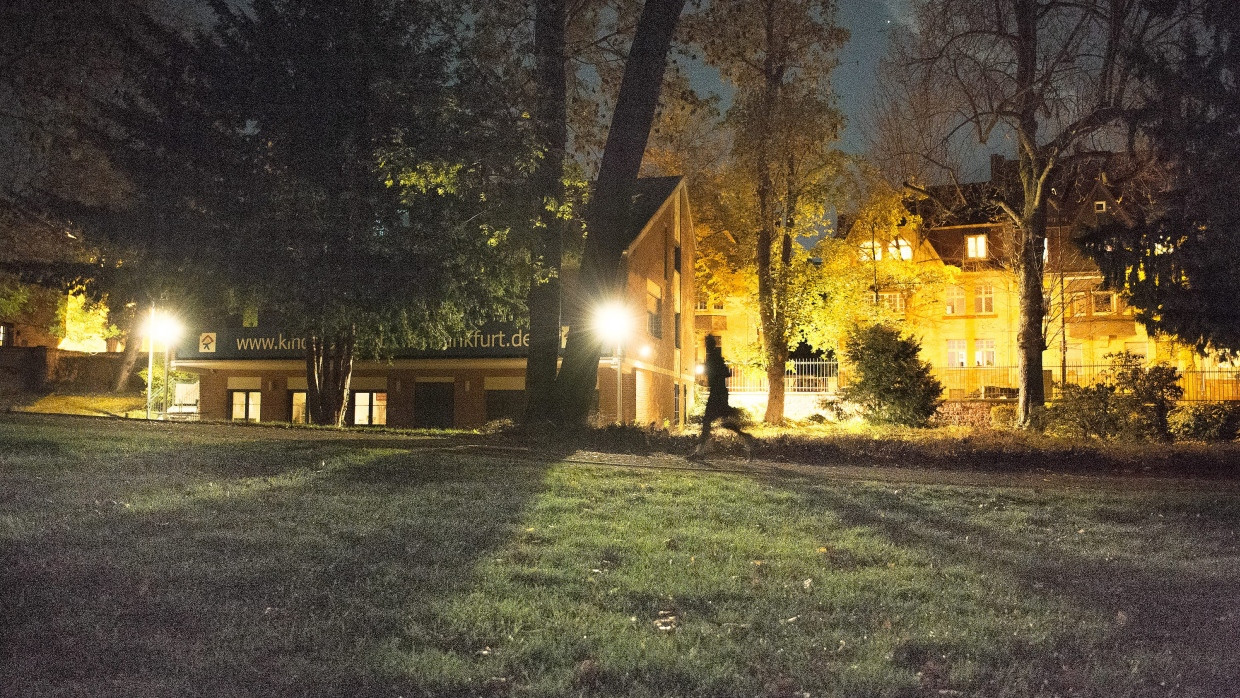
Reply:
x=890, y=384
x=1128, y=400
x=1003, y=416
x=1205, y=421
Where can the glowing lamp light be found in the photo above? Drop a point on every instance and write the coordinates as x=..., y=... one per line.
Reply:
x=165, y=329
x=614, y=323
x=699, y=369
x=645, y=351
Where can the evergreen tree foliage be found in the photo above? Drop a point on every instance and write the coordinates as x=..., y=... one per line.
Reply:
x=889, y=382
x=1178, y=259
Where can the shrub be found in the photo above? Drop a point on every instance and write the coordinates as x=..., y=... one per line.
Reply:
x=1128, y=400
x=890, y=384
x=1205, y=421
x=1003, y=416
x=1086, y=411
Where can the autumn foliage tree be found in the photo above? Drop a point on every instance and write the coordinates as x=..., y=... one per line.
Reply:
x=779, y=55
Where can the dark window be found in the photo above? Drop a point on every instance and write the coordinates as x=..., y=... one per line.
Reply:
x=654, y=315
x=434, y=405
x=677, y=330
x=505, y=404
x=676, y=400
x=676, y=258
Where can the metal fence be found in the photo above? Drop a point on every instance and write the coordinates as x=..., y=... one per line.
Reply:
x=989, y=382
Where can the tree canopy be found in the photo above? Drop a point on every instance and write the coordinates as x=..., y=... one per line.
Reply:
x=1178, y=257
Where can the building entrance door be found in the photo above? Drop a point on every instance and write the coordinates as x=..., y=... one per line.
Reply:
x=434, y=405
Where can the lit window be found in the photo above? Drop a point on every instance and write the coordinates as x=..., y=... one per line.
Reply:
x=6, y=335
x=1076, y=304
x=246, y=404
x=975, y=246
x=955, y=301
x=984, y=298
x=900, y=248
x=956, y=354
x=871, y=252
x=369, y=408
x=1103, y=302
x=1100, y=207
x=297, y=407
x=984, y=352
x=892, y=302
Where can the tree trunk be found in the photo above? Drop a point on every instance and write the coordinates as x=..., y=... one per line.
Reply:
x=550, y=19
x=1031, y=228
x=601, y=273
x=329, y=368
x=1029, y=339
x=133, y=347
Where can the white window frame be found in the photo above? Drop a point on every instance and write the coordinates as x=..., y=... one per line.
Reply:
x=892, y=301
x=983, y=352
x=976, y=246
x=957, y=353
x=1110, y=304
x=984, y=298
x=955, y=300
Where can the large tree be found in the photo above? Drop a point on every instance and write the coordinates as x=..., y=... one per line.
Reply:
x=328, y=170
x=1178, y=257
x=607, y=216
x=1055, y=77
x=779, y=55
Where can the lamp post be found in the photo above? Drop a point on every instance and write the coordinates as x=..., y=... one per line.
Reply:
x=613, y=322
x=164, y=328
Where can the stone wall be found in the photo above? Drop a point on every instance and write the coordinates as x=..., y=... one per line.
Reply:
x=37, y=369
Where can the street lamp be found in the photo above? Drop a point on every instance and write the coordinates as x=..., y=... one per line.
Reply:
x=165, y=329
x=614, y=323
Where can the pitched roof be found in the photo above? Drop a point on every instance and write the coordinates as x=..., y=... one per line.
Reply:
x=648, y=196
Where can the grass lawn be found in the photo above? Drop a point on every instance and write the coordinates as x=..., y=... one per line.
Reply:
x=180, y=559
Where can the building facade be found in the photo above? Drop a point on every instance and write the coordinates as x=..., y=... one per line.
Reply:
x=259, y=374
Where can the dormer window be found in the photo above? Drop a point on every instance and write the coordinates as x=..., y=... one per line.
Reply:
x=899, y=248
x=871, y=252
x=975, y=246
x=1100, y=207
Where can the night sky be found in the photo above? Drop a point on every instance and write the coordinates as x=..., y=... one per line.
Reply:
x=869, y=22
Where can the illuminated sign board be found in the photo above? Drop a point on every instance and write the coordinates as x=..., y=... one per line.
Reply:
x=494, y=340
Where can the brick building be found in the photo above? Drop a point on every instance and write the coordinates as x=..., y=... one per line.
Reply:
x=258, y=374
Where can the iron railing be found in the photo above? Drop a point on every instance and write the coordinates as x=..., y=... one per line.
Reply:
x=972, y=382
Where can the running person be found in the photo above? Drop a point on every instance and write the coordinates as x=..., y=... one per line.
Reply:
x=717, y=406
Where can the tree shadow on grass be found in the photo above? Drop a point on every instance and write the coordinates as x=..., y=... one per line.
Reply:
x=292, y=588
x=1163, y=608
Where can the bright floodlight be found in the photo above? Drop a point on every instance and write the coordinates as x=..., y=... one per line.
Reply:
x=163, y=328
x=613, y=322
